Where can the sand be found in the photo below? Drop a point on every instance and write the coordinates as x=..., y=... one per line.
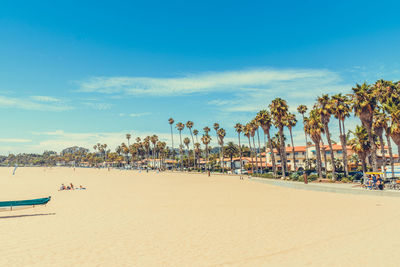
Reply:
x=126, y=218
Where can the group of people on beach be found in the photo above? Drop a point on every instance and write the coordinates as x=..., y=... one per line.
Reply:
x=71, y=187
x=375, y=182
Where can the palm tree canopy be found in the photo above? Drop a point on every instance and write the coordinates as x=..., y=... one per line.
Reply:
x=206, y=139
x=195, y=132
x=364, y=102
x=238, y=128
x=279, y=109
x=171, y=121
x=313, y=125
x=206, y=130
x=341, y=106
x=302, y=109
x=180, y=126
x=189, y=124
x=231, y=149
x=216, y=126
x=264, y=119
x=186, y=141
x=359, y=143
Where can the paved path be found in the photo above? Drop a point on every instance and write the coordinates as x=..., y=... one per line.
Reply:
x=328, y=187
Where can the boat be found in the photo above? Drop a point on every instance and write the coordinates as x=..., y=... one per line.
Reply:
x=24, y=203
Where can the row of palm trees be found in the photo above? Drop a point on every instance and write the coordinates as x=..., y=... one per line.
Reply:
x=376, y=105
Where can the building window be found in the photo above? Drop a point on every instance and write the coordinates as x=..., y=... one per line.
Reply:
x=340, y=152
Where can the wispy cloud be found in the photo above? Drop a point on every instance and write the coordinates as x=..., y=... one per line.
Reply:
x=134, y=114
x=98, y=106
x=42, y=98
x=14, y=140
x=241, y=81
x=40, y=103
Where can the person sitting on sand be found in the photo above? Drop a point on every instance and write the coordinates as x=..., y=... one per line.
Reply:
x=72, y=186
x=62, y=187
x=379, y=182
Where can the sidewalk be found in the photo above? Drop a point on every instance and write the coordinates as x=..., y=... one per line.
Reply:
x=328, y=187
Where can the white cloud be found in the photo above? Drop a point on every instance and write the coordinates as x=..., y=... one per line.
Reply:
x=240, y=81
x=42, y=98
x=98, y=106
x=32, y=104
x=135, y=114
x=14, y=140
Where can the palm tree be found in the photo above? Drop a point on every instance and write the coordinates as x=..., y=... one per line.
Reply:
x=341, y=110
x=378, y=125
x=180, y=126
x=364, y=104
x=387, y=129
x=206, y=139
x=314, y=128
x=265, y=120
x=247, y=132
x=206, y=130
x=171, y=121
x=146, y=144
x=290, y=122
x=189, y=125
x=361, y=145
x=221, y=135
x=239, y=129
x=254, y=126
x=197, y=152
x=231, y=150
x=302, y=109
x=196, y=132
x=154, y=140
x=325, y=106
x=128, y=136
x=186, y=141
x=216, y=127
x=279, y=110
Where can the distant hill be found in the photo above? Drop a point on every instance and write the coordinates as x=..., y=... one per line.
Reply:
x=74, y=149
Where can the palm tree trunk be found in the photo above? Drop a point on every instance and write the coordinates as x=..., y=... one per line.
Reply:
x=305, y=134
x=207, y=163
x=223, y=158
x=251, y=155
x=319, y=163
x=173, y=151
x=326, y=162
x=328, y=136
x=383, y=166
x=364, y=166
x=294, y=155
x=373, y=148
x=390, y=153
x=255, y=152
x=180, y=150
x=272, y=154
x=259, y=150
x=240, y=151
x=283, y=152
x=194, y=156
x=344, y=146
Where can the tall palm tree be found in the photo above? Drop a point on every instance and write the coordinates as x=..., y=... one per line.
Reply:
x=154, y=140
x=196, y=132
x=171, y=121
x=206, y=139
x=216, y=127
x=231, y=150
x=189, y=125
x=325, y=108
x=279, y=110
x=387, y=129
x=221, y=135
x=186, y=141
x=257, y=126
x=206, y=130
x=180, y=126
x=239, y=129
x=364, y=104
x=197, y=153
x=314, y=128
x=361, y=145
x=265, y=120
x=341, y=110
x=247, y=132
x=146, y=144
x=128, y=137
x=254, y=127
x=290, y=122
x=379, y=123
x=302, y=109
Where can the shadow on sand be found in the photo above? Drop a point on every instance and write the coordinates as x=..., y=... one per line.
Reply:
x=26, y=215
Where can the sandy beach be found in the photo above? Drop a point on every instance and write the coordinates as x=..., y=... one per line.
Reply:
x=127, y=218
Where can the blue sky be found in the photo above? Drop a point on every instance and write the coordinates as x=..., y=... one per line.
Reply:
x=76, y=72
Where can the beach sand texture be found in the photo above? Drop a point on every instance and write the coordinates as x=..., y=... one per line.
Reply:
x=127, y=218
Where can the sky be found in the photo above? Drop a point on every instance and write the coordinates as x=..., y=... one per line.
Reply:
x=87, y=72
